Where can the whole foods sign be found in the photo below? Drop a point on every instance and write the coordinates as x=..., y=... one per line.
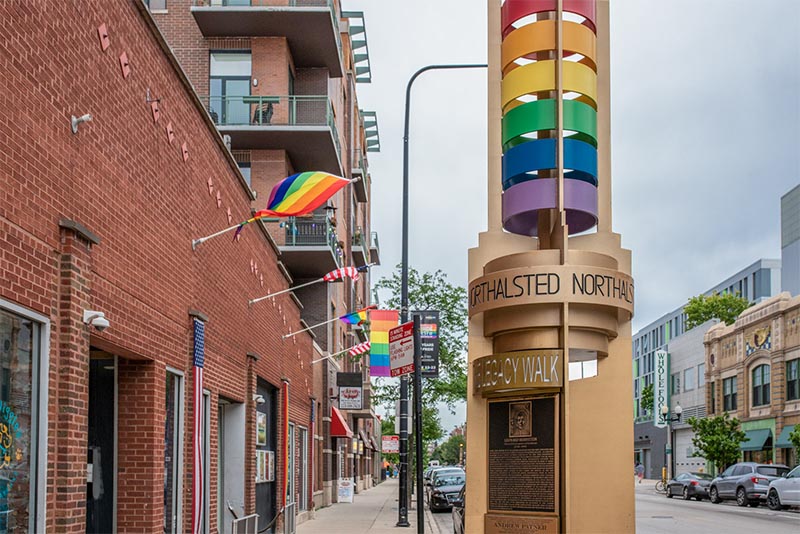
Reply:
x=661, y=387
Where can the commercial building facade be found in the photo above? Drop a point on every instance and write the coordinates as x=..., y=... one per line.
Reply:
x=103, y=425
x=754, y=375
x=756, y=282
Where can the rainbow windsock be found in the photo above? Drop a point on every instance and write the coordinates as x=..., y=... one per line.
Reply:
x=380, y=323
x=357, y=317
x=299, y=194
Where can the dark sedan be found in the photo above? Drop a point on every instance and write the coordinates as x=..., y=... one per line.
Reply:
x=445, y=490
x=690, y=485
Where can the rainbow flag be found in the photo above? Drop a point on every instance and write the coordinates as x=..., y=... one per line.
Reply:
x=357, y=317
x=380, y=323
x=299, y=194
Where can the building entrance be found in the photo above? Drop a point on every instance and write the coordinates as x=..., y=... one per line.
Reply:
x=266, y=442
x=100, y=461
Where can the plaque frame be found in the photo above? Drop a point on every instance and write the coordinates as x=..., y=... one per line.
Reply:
x=556, y=452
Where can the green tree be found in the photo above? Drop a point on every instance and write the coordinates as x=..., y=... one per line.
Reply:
x=647, y=398
x=726, y=307
x=717, y=439
x=794, y=438
x=432, y=291
x=449, y=452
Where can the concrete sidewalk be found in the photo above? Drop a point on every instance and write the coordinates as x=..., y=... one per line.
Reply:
x=373, y=511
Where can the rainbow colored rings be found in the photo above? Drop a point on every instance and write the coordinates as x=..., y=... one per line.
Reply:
x=530, y=101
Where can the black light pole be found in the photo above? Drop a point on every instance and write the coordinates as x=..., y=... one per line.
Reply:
x=403, y=500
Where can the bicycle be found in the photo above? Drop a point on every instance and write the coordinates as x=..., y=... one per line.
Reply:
x=661, y=486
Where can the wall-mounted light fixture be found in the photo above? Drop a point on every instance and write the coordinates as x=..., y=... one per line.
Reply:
x=75, y=121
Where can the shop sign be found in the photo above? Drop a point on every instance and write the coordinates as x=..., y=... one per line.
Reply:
x=390, y=444
x=350, y=391
x=345, y=492
x=520, y=370
x=401, y=349
x=661, y=387
x=551, y=284
x=429, y=342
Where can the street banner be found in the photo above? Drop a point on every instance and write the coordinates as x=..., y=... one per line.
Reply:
x=660, y=387
x=390, y=444
x=401, y=349
x=429, y=342
x=350, y=391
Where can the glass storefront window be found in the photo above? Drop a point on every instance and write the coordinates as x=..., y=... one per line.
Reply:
x=16, y=370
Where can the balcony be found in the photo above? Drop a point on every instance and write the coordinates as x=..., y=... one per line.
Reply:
x=311, y=27
x=374, y=249
x=359, y=248
x=358, y=40
x=311, y=247
x=370, y=119
x=360, y=169
x=302, y=125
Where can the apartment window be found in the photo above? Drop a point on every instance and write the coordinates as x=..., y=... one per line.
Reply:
x=156, y=5
x=761, y=385
x=688, y=379
x=729, y=394
x=676, y=383
x=701, y=375
x=793, y=379
x=229, y=84
x=713, y=408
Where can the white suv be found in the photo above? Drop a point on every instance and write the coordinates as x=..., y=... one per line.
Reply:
x=785, y=492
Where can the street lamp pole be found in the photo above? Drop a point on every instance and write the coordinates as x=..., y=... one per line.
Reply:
x=403, y=498
x=666, y=417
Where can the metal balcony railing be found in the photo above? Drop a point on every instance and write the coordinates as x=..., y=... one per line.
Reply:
x=272, y=110
x=315, y=230
x=359, y=161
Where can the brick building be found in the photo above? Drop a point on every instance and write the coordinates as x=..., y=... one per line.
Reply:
x=753, y=373
x=97, y=424
x=278, y=78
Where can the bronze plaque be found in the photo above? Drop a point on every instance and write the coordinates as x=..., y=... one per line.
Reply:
x=522, y=455
x=516, y=524
x=524, y=369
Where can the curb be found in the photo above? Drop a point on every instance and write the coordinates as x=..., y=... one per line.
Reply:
x=434, y=528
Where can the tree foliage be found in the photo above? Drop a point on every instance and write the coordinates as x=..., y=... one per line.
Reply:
x=647, y=398
x=432, y=291
x=449, y=452
x=717, y=439
x=726, y=307
x=794, y=438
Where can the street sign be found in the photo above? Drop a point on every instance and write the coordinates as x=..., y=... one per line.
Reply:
x=401, y=349
x=390, y=444
x=429, y=343
x=350, y=391
x=661, y=387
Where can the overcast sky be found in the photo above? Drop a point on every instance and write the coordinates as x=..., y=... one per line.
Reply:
x=705, y=135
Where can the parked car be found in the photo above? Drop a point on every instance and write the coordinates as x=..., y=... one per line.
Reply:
x=746, y=482
x=445, y=490
x=784, y=492
x=447, y=469
x=690, y=485
x=458, y=511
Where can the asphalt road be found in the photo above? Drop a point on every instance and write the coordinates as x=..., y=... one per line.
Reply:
x=655, y=514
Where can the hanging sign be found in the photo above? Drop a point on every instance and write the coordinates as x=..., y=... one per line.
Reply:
x=350, y=391
x=661, y=387
x=401, y=349
x=429, y=342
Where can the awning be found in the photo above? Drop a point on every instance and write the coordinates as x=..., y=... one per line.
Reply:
x=364, y=438
x=783, y=439
x=339, y=428
x=374, y=444
x=756, y=439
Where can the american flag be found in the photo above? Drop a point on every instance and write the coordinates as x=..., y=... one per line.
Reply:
x=344, y=272
x=199, y=471
x=361, y=348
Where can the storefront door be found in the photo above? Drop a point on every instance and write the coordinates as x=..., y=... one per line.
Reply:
x=266, y=442
x=101, y=444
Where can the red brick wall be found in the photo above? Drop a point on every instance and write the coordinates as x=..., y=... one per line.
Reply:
x=123, y=179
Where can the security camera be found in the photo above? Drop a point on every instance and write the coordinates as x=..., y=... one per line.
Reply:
x=75, y=121
x=259, y=399
x=96, y=318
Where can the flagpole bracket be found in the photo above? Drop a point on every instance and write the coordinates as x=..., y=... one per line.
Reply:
x=196, y=243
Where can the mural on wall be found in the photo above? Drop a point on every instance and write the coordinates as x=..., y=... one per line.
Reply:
x=760, y=338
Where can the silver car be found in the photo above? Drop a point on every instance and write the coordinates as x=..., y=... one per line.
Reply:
x=746, y=482
x=785, y=492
